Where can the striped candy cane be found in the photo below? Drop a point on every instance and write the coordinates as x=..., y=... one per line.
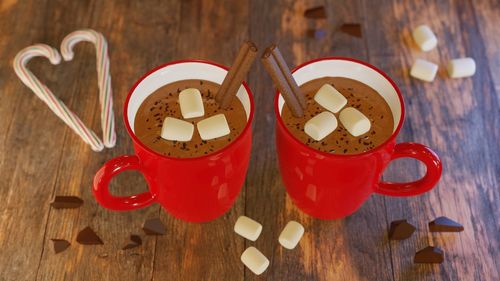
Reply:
x=44, y=93
x=103, y=77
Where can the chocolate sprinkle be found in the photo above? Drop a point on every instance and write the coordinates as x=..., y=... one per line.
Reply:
x=154, y=227
x=66, y=202
x=87, y=236
x=429, y=255
x=315, y=13
x=400, y=230
x=60, y=245
x=444, y=224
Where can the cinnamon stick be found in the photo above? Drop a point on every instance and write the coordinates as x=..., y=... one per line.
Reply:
x=288, y=75
x=282, y=83
x=236, y=74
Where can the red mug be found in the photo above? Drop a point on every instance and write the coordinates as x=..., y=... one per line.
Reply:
x=331, y=186
x=195, y=189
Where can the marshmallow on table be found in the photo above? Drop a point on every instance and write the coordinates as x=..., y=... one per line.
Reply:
x=424, y=37
x=321, y=125
x=463, y=67
x=329, y=98
x=213, y=127
x=248, y=228
x=191, y=103
x=291, y=234
x=176, y=129
x=355, y=122
x=254, y=260
x=424, y=70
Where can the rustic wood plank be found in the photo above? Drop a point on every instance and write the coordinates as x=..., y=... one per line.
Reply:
x=210, y=30
x=25, y=186
x=80, y=164
x=441, y=114
x=486, y=11
x=330, y=250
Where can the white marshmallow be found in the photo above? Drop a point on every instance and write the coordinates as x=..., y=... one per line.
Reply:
x=254, y=260
x=463, y=67
x=191, y=103
x=329, y=98
x=424, y=70
x=424, y=37
x=291, y=235
x=248, y=228
x=321, y=125
x=354, y=121
x=176, y=129
x=213, y=127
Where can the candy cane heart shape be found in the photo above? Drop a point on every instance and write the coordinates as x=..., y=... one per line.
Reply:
x=103, y=77
x=46, y=95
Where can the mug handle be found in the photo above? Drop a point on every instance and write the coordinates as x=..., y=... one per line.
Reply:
x=104, y=176
x=432, y=175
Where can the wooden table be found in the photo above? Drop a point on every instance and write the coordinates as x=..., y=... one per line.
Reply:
x=40, y=157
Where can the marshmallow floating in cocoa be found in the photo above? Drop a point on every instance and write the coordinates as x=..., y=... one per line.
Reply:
x=254, y=260
x=355, y=122
x=191, y=103
x=329, y=98
x=424, y=37
x=176, y=130
x=248, y=228
x=424, y=70
x=213, y=127
x=291, y=235
x=321, y=125
x=463, y=67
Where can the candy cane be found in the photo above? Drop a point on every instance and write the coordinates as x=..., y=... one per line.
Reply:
x=103, y=77
x=44, y=93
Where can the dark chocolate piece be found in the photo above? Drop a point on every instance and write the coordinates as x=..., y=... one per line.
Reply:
x=66, y=202
x=315, y=13
x=429, y=255
x=136, y=242
x=60, y=245
x=444, y=224
x=316, y=33
x=353, y=29
x=87, y=236
x=154, y=227
x=400, y=230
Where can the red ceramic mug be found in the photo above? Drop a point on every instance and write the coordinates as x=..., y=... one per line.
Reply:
x=330, y=186
x=193, y=189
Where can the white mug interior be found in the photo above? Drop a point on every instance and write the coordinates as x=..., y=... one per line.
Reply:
x=352, y=70
x=176, y=72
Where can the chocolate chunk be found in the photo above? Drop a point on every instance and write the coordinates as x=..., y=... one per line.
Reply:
x=353, y=29
x=60, y=245
x=315, y=13
x=444, y=224
x=316, y=33
x=136, y=242
x=154, y=227
x=136, y=239
x=87, y=236
x=429, y=255
x=400, y=230
x=66, y=202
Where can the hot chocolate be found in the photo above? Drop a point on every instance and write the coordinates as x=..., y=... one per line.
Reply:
x=164, y=102
x=359, y=96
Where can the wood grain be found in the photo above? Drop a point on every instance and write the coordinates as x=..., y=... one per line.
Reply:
x=41, y=158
